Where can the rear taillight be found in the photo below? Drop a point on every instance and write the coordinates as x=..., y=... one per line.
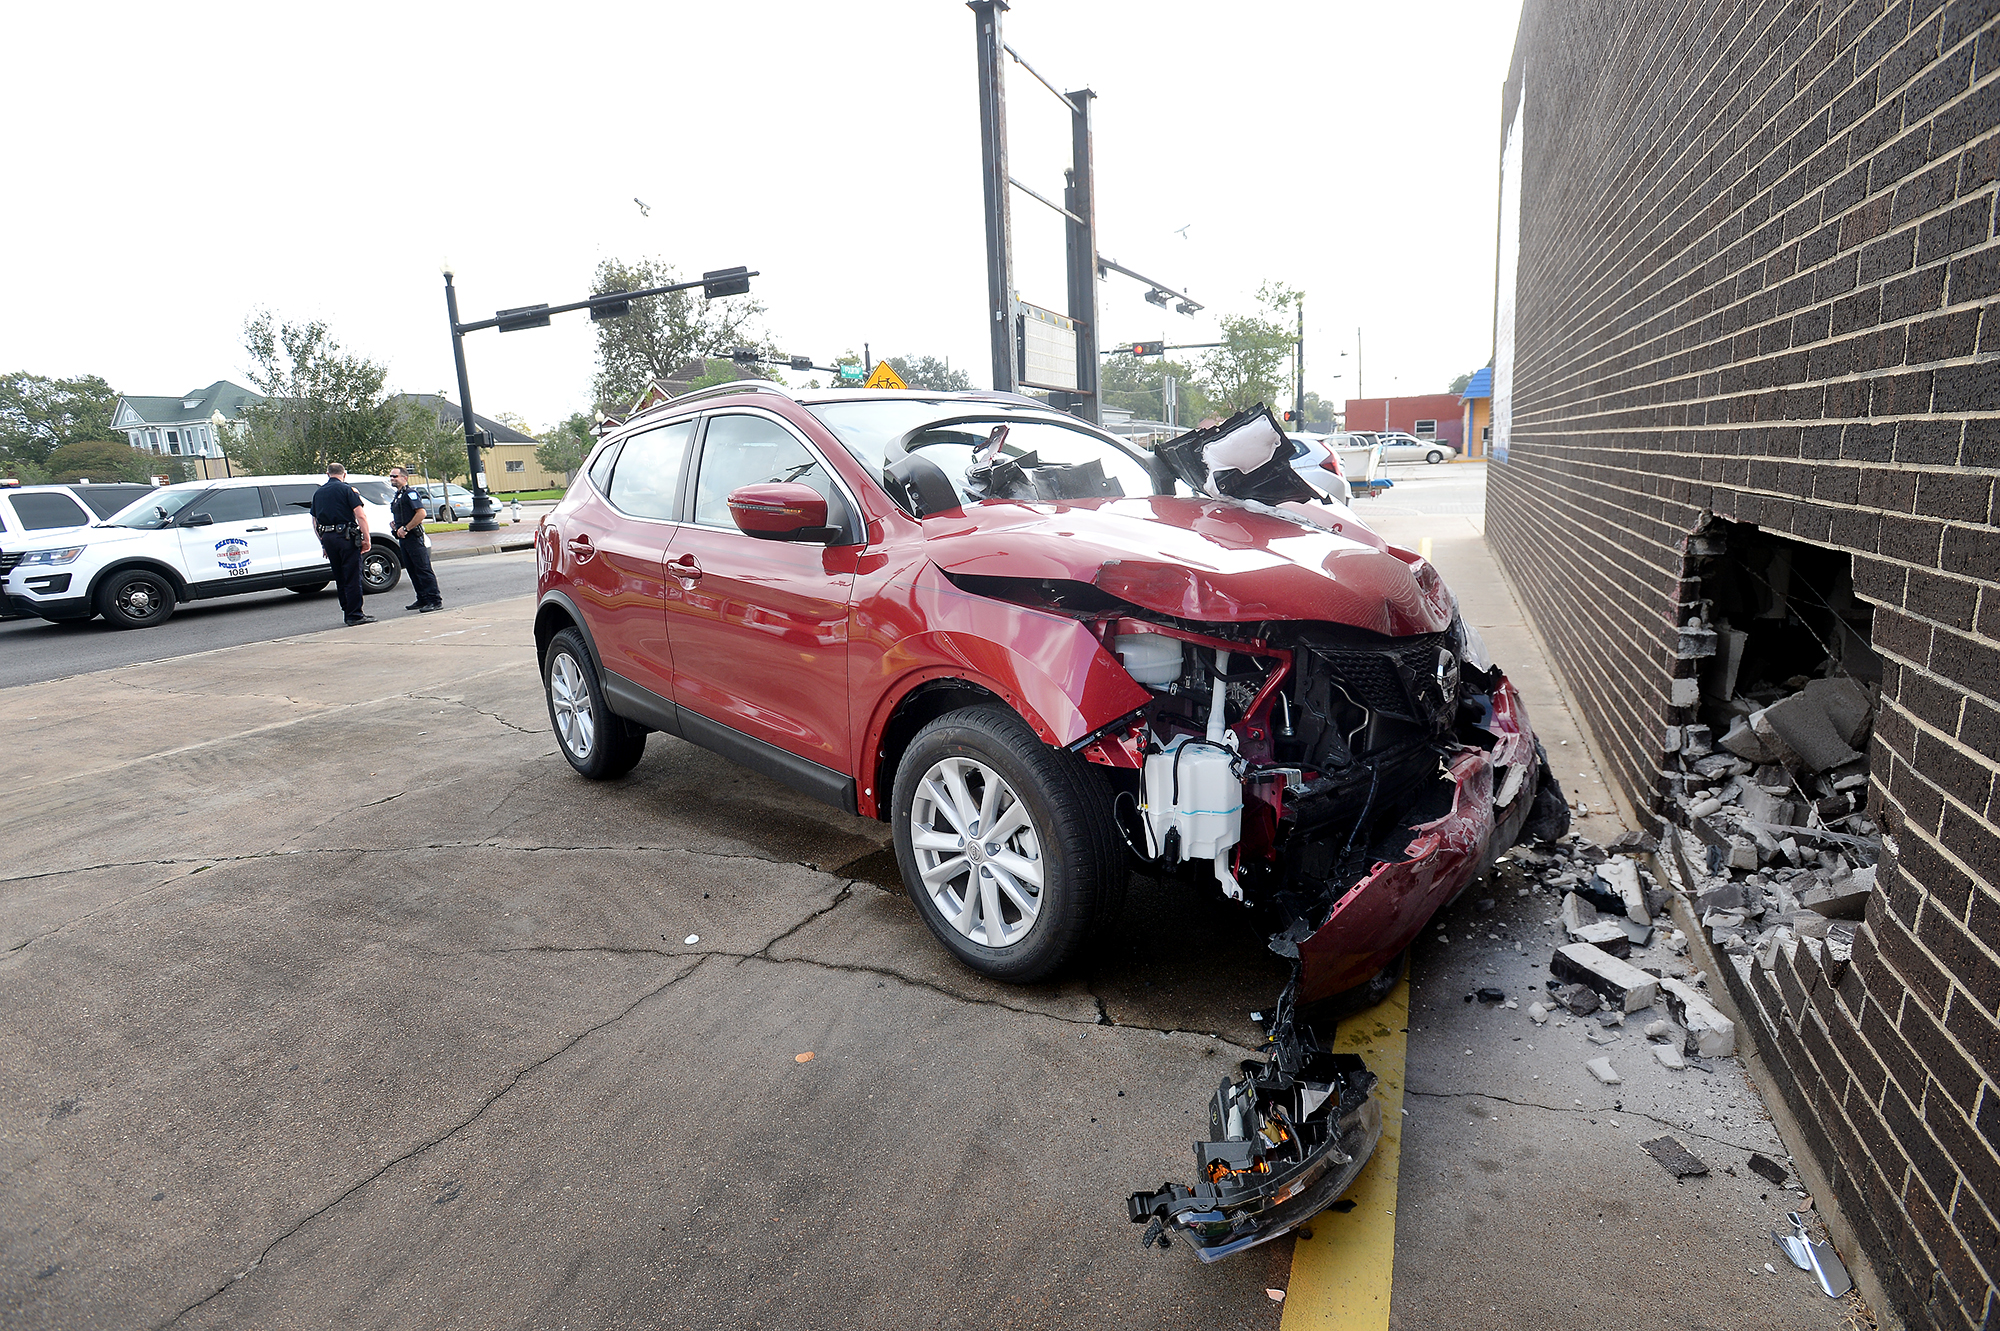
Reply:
x=1332, y=464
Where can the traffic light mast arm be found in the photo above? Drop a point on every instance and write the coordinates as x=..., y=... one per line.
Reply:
x=539, y=313
x=1188, y=304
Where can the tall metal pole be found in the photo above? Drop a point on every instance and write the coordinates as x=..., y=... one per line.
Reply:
x=1080, y=232
x=1299, y=369
x=1358, y=390
x=483, y=508
x=999, y=210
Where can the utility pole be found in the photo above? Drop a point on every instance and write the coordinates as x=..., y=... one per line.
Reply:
x=484, y=511
x=1299, y=370
x=999, y=204
x=1357, y=364
x=1080, y=235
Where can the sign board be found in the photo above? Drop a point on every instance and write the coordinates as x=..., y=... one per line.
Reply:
x=850, y=371
x=1048, y=349
x=884, y=377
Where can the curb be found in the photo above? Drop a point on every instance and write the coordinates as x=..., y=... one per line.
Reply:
x=498, y=548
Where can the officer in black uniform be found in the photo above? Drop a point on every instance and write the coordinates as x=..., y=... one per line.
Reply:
x=407, y=513
x=342, y=524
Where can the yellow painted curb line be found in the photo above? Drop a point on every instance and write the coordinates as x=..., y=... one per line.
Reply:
x=1341, y=1276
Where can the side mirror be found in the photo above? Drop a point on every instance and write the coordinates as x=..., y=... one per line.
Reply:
x=780, y=511
x=198, y=520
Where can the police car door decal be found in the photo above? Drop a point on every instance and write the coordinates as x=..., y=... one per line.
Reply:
x=232, y=556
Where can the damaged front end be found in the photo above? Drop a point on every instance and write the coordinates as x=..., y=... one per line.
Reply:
x=1287, y=1137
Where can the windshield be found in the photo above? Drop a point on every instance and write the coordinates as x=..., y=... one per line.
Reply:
x=156, y=509
x=1037, y=457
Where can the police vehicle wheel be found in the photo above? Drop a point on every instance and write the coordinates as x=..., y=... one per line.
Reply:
x=380, y=570
x=314, y=590
x=135, y=599
x=598, y=743
x=1009, y=848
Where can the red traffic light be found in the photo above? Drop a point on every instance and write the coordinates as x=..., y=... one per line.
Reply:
x=1149, y=348
x=1291, y=415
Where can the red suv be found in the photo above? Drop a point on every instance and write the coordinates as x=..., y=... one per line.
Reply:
x=1040, y=653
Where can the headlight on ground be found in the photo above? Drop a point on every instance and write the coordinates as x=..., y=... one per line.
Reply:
x=64, y=556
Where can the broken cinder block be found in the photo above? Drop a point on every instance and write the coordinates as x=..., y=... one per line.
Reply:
x=1619, y=983
x=1714, y=1035
x=1622, y=875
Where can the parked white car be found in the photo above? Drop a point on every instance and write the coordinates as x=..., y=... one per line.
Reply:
x=189, y=542
x=1314, y=458
x=50, y=510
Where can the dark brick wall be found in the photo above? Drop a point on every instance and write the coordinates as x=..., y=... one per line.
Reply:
x=1758, y=280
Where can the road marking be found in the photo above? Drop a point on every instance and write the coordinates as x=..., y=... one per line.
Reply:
x=1341, y=1276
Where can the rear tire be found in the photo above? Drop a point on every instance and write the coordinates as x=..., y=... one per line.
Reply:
x=1019, y=905
x=312, y=590
x=599, y=744
x=135, y=599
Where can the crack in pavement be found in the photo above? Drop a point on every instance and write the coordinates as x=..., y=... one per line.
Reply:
x=1586, y=1109
x=846, y=891
x=480, y=711
x=438, y=1140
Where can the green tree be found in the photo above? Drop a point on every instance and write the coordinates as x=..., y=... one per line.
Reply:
x=663, y=333
x=322, y=404
x=564, y=447
x=426, y=441
x=38, y=415
x=1135, y=384
x=1458, y=385
x=930, y=372
x=1253, y=362
x=1321, y=413
x=102, y=460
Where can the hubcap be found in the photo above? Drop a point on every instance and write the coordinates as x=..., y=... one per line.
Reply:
x=136, y=600
x=375, y=569
x=569, y=698
x=978, y=855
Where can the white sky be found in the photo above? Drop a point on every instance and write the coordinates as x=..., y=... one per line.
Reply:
x=177, y=166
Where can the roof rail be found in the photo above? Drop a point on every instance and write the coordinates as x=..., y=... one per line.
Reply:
x=722, y=390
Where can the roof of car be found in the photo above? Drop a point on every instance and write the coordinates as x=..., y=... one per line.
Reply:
x=813, y=396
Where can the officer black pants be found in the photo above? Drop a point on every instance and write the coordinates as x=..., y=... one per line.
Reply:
x=417, y=559
x=345, y=556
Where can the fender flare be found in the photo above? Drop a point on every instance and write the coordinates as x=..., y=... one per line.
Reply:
x=577, y=621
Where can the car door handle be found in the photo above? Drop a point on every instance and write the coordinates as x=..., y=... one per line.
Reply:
x=257, y=529
x=581, y=547
x=687, y=568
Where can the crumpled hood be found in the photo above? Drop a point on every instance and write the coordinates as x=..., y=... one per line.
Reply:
x=1200, y=559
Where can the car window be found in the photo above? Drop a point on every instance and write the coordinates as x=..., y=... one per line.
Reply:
x=39, y=512
x=104, y=500
x=236, y=504
x=600, y=470
x=293, y=498
x=751, y=450
x=648, y=474
x=375, y=492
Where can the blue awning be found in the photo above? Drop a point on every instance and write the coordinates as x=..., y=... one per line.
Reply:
x=1481, y=385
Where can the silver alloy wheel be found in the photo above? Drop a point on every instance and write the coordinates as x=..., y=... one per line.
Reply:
x=977, y=851
x=569, y=695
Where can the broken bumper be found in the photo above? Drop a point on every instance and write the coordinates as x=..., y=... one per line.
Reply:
x=1373, y=921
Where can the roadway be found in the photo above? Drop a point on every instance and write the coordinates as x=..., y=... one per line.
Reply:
x=34, y=650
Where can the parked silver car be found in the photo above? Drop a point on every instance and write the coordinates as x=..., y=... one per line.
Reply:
x=1400, y=447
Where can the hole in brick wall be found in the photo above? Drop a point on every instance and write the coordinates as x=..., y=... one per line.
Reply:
x=1765, y=777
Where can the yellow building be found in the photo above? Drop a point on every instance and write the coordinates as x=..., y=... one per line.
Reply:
x=1478, y=403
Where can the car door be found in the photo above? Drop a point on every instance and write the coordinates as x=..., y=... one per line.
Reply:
x=614, y=546
x=759, y=627
x=299, y=550
x=235, y=548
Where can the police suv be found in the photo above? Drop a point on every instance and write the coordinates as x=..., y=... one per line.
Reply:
x=191, y=542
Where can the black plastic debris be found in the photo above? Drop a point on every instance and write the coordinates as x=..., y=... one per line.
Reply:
x=1767, y=1167
x=1675, y=1158
x=1492, y=995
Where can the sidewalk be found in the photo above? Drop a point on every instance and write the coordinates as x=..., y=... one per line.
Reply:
x=1525, y=1199
x=463, y=544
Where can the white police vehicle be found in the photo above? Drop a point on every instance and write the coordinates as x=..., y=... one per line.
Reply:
x=191, y=542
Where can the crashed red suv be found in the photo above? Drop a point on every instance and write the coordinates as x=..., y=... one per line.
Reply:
x=1040, y=653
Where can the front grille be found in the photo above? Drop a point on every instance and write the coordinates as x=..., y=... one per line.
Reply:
x=8, y=559
x=1396, y=678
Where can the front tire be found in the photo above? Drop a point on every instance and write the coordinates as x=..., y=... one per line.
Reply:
x=135, y=599
x=1008, y=847
x=381, y=569
x=1434, y=457
x=599, y=744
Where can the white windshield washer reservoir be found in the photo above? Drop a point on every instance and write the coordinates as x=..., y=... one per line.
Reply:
x=1153, y=659
x=1193, y=793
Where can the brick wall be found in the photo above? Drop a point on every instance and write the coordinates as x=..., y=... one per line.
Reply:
x=1757, y=280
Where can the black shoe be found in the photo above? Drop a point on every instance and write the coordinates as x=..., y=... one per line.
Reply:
x=360, y=619
x=414, y=605
x=426, y=609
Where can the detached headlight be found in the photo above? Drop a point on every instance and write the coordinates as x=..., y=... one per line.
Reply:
x=63, y=556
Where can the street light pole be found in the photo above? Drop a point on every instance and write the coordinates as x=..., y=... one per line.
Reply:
x=484, y=514
x=1299, y=370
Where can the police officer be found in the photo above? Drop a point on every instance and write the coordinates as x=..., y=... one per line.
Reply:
x=407, y=512
x=342, y=524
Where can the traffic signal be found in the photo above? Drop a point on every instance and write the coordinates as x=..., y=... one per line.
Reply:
x=744, y=355
x=1291, y=415
x=802, y=362
x=1149, y=348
